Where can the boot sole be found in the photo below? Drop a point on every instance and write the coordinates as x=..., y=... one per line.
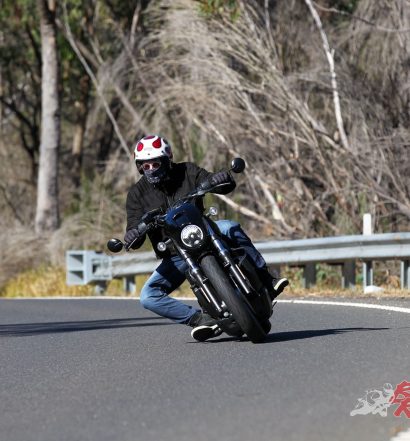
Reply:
x=202, y=333
x=280, y=286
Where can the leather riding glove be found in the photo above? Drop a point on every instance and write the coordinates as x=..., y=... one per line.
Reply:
x=131, y=235
x=222, y=177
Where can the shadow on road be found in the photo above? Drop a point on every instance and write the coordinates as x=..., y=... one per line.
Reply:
x=298, y=335
x=26, y=329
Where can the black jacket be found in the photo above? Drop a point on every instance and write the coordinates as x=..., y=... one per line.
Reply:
x=143, y=197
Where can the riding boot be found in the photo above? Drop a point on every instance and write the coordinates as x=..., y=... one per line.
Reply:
x=274, y=285
x=205, y=326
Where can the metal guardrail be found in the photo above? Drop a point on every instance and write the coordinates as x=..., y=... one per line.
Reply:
x=84, y=267
x=306, y=253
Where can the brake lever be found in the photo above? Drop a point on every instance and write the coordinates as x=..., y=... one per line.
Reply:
x=200, y=192
x=129, y=246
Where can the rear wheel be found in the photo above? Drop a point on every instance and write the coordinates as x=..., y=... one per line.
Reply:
x=236, y=304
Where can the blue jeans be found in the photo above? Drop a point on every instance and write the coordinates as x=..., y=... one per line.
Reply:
x=171, y=273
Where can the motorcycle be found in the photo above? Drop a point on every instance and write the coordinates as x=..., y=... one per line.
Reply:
x=221, y=275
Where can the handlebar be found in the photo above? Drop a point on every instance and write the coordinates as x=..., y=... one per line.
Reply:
x=153, y=218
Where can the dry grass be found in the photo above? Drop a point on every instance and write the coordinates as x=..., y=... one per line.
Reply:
x=40, y=282
x=49, y=281
x=21, y=250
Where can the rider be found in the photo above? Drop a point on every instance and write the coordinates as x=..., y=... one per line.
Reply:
x=163, y=182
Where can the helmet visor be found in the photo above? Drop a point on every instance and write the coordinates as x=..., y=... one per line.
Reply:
x=150, y=165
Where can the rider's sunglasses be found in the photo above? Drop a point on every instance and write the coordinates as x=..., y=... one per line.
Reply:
x=152, y=165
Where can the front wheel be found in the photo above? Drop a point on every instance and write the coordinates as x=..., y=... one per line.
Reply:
x=236, y=304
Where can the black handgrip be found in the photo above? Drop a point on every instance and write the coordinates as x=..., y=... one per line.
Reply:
x=151, y=215
x=142, y=229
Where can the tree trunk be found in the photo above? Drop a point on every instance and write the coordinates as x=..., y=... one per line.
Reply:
x=47, y=213
x=81, y=107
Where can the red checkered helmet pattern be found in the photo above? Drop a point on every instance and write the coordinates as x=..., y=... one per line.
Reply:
x=151, y=147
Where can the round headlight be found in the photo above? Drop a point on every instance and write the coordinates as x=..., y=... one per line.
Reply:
x=192, y=236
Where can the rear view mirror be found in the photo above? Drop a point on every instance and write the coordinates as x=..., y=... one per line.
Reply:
x=237, y=165
x=115, y=245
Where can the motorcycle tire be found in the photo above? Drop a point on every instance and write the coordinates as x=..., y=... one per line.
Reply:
x=236, y=304
x=266, y=326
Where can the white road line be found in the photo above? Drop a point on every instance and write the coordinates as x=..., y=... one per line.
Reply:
x=305, y=302
x=356, y=305
x=402, y=436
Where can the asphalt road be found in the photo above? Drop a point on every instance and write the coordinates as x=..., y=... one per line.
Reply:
x=107, y=370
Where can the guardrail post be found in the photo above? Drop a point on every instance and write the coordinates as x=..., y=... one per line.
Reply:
x=405, y=274
x=309, y=275
x=367, y=273
x=87, y=266
x=100, y=288
x=129, y=284
x=349, y=274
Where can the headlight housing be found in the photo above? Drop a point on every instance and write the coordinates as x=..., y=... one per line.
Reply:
x=192, y=236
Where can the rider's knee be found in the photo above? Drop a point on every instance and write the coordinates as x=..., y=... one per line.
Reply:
x=147, y=299
x=226, y=226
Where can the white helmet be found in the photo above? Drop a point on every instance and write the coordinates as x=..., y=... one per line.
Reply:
x=151, y=147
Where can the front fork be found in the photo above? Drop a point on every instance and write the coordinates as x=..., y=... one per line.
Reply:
x=199, y=285
x=228, y=262
x=198, y=281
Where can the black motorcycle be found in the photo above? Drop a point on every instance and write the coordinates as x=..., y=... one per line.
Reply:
x=221, y=275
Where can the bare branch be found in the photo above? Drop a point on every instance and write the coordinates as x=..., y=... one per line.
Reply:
x=330, y=58
x=245, y=211
x=94, y=80
x=355, y=17
x=10, y=204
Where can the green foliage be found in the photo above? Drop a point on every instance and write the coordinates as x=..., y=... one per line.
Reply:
x=219, y=8
x=348, y=6
x=20, y=12
x=328, y=276
x=20, y=64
